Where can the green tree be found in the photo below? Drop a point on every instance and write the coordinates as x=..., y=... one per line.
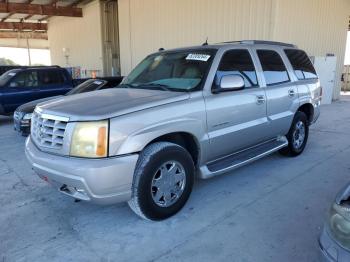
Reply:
x=5, y=61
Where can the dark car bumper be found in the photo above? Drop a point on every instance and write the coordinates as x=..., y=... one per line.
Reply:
x=330, y=250
x=20, y=125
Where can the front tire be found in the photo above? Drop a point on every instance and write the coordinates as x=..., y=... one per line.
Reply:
x=297, y=136
x=163, y=181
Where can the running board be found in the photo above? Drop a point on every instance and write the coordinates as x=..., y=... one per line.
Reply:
x=236, y=160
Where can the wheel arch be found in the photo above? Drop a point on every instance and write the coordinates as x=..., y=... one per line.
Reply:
x=188, y=133
x=184, y=139
x=308, y=110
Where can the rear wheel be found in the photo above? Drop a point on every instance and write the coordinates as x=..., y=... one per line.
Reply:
x=297, y=136
x=163, y=181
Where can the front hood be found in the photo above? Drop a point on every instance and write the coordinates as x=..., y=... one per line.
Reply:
x=109, y=103
x=30, y=106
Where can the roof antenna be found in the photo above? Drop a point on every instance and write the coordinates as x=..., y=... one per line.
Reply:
x=161, y=49
x=206, y=42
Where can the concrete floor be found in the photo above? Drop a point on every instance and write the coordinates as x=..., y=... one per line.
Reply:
x=271, y=210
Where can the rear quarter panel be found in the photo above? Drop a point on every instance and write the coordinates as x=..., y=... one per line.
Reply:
x=310, y=93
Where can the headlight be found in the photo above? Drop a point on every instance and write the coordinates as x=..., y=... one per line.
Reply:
x=27, y=116
x=339, y=224
x=90, y=139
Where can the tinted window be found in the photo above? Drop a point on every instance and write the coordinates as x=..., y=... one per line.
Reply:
x=25, y=79
x=275, y=71
x=87, y=86
x=301, y=63
x=5, y=77
x=51, y=77
x=238, y=62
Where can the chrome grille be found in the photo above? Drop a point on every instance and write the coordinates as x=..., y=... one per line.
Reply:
x=48, y=131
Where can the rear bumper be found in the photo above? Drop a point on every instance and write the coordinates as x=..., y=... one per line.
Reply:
x=316, y=113
x=331, y=251
x=101, y=181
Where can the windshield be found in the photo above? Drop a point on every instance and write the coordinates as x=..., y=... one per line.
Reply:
x=174, y=71
x=5, y=77
x=87, y=86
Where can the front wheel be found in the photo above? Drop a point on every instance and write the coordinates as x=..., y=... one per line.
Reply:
x=297, y=136
x=163, y=181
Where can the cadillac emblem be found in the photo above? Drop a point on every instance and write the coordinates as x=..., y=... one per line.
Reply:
x=42, y=132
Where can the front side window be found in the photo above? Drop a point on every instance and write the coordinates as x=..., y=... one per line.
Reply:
x=274, y=70
x=301, y=64
x=25, y=79
x=239, y=62
x=172, y=71
x=6, y=77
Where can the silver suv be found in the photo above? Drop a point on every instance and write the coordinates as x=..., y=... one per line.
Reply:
x=183, y=113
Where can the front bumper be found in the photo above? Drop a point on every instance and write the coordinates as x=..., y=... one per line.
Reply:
x=101, y=181
x=330, y=250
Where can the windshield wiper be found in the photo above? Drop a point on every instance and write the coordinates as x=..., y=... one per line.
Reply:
x=126, y=85
x=161, y=86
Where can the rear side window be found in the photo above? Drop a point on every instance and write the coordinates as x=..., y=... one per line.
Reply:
x=51, y=77
x=301, y=63
x=238, y=62
x=274, y=70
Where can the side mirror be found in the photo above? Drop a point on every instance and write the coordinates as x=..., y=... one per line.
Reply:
x=230, y=83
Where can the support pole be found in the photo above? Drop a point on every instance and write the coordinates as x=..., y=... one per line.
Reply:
x=28, y=49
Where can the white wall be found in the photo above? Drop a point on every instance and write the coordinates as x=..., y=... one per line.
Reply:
x=82, y=36
x=145, y=26
x=318, y=26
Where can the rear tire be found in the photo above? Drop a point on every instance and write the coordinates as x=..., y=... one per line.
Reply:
x=163, y=181
x=297, y=136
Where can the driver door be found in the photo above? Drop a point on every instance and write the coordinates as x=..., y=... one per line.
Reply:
x=21, y=89
x=236, y=119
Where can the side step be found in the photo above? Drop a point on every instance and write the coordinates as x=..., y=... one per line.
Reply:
x=241, y=158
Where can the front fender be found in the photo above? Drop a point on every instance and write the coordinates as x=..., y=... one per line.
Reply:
x=138, y=140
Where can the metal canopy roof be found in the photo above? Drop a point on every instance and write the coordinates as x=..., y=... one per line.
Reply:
x=28, y=18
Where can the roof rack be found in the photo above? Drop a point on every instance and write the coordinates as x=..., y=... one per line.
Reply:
x=261, y=42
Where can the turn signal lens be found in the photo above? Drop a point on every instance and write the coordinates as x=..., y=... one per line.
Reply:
x=102, y=142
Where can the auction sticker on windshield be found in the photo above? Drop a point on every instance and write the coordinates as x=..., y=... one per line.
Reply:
x=198, y=57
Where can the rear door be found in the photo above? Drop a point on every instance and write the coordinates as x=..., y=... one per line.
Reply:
x=281, y=92
x=21, y=89
x=236, y=119
x=53, y=82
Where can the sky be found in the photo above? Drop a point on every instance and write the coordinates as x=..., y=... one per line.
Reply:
x=20, y=55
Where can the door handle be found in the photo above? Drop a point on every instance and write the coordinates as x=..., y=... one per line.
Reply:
x=260, y=99
x=291, y=92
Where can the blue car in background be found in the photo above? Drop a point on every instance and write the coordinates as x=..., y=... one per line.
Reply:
x=20, y=86
x=22, y=115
